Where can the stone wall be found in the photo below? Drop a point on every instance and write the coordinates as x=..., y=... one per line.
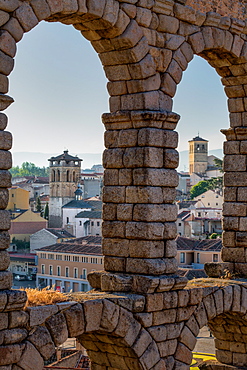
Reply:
x=228, y=8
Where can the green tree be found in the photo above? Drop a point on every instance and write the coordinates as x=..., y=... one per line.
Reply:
x=29, y=169
x=38, y=205
x=199, y=188
x=219, y=163
x=46, y=211
x=215, y=183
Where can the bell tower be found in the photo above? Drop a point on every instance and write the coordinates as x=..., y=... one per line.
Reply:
x=65, y=174
x=198, y=155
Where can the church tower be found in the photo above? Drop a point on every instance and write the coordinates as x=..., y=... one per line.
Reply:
x=65, y=174
x=198, y=155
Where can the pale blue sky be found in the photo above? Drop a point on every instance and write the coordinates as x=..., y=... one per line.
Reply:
x=59, y=89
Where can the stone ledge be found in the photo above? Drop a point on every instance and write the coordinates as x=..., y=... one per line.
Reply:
x=226, y=269
x=141, y=284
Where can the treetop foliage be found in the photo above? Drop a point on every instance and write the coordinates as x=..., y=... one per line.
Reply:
x=29, y=169
x=205, y=185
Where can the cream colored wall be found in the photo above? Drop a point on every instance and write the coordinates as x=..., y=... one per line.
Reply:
x=211, y=199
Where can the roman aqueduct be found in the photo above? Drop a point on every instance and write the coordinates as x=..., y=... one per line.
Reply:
x=141, y=315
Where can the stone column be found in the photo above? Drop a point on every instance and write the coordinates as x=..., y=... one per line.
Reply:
x=5, y=183
x=234, y=249
x=234, y=237
x=139, y=216
x=10, y=300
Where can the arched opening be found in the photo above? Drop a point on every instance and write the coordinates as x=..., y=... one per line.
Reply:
x=200, y=144
x=52, y=63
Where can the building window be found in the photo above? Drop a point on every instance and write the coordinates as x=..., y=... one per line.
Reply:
x=83, y=287
x=43, y=269
x=215, y=257
x=67, y=220
x=42, y=255
x=58, y=271
x=66, y=258
x=216, y=204
x=80, y=223
x=58, y=257
x=75, y=272
x=208, y=204
x=94, y=260
x=182, y=257
x=198, y=258
x=92, y=223
x=199, y=214
x=67, y=271
x=179, y=224
x=85, y=259
x=84, y=273
x=50, y=256
x=98, y=223
x=50, y=270
x=101, y=261
x=76, y=259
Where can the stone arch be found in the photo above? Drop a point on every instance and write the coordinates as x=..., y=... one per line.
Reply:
x=113, y=33
x=223, y=309
x=110, y=333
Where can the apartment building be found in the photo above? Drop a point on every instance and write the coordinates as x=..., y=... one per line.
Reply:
x=66, y=265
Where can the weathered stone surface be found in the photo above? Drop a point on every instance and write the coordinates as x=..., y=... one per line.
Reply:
x=4, y=17
x=155, y=177
x=93, y=312
x=157, y=213
x=38, y=315
x=5, y=100
x=26, y=17
x=10, y=354
x=41, y=9
x=14, y=28
x=5, y=280
x=16, y=298
x=42, y=340
x=58, y=328
x=151, y=356
x=3, y=318
x=18, y=319
x=75, y=320
x=30, y=358
x=13, y=336
x=4, y=260
x=4, y=198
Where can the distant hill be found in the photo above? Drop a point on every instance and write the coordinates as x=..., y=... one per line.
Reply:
x=41, y=159
x=89, y=159
x=184, y=158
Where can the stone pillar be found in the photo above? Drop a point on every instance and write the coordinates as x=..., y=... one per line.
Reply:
x=5, y=183
x=234, y=249
x=234, y=237
x=139, y=216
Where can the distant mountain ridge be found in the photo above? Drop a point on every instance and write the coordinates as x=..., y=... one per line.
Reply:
x=89, y=159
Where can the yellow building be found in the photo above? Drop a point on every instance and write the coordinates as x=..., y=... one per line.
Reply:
x=18, y=199
x=24, y=223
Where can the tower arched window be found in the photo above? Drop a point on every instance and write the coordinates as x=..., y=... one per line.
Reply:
x=67, y=175
x=73, y=176
x=58, y=175
x=53, y=175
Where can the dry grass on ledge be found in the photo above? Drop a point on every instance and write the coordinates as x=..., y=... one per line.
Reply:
x=45, y=296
